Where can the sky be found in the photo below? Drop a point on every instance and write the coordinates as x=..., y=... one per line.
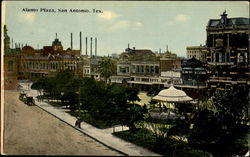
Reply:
x=151, y=25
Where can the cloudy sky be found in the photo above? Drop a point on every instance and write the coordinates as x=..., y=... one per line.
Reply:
x=144, y=25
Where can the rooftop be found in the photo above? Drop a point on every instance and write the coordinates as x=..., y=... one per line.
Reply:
x=224, y=21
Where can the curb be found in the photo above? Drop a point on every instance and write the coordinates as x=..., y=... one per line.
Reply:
x=125, y=154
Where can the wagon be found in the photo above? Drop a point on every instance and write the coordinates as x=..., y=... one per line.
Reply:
x=29, y=101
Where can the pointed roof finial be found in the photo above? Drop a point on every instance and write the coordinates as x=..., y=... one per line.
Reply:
x=224, y=14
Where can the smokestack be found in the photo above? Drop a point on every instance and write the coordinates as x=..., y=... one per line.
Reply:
x=167, y=48
x=80, y=43
x=71, y=43
x=11, y=43
x=91, y=47
x=86, y=46
x=95, y=46
x=160, y=50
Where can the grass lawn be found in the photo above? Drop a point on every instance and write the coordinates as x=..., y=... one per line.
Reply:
x=165, y=146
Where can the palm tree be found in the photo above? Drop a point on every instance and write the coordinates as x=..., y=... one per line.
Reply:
x=106, y=68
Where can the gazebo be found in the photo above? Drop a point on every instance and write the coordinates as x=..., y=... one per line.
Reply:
x=171, y=95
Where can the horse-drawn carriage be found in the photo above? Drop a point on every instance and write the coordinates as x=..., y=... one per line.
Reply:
x=30, y=101
x=22, y=96
x=27, y=99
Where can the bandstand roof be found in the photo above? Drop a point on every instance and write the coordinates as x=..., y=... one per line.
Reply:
x=172, y=95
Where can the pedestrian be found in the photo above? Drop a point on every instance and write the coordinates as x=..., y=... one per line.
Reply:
x=76, y=123
x=79, y=123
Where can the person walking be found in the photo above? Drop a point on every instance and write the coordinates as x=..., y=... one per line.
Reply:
x=78, y=123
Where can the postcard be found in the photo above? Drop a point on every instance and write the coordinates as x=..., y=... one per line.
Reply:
x=139, y=78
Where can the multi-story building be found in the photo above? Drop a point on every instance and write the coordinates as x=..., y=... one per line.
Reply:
x=36, y=63
x=228, y=52
x=194, y=78
x=11, y=63
x=199, y=52
x=90, y=66
x=170, y=70
x=139, y=67
x=144, y=69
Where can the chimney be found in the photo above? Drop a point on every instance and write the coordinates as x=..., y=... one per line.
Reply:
x=160, y=50
x=11, y=43
x=86, y=46
x=91, y=47
x=80, y=43
x=71, y=43
x=95, y=46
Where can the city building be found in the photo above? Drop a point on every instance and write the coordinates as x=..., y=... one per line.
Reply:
x=144, y=69
x=170, y=68
x=36, y=63
x=11, y=63
x=199, y=52
x=194, y=78
x=138, y=67
x=228, y=52
x=90, y=66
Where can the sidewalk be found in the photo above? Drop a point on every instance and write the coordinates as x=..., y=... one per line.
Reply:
x=103, y=136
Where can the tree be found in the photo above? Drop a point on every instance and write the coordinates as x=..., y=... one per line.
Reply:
x=93, y=96
x=38, y=85
x=223, y=130
x=106, y=68
x=61, y=79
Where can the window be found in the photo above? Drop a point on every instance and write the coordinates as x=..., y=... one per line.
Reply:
x=157, y=69
x=217, y=57
x=142, y=68
x=152, y=69
x=11, y=66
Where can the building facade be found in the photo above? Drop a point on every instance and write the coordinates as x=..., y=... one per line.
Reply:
x=199, y=52
x=170, y=70
x=194, y=78
x=11, y=63
x=228, y=52
x=144, y=69
x=138, y=67
x=90, y=66
x=36, y=63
